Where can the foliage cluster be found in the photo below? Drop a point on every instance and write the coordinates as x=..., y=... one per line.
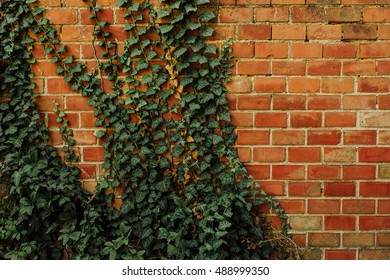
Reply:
x=168, y=144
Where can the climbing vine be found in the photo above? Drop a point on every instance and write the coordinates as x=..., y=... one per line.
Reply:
x=167, y=136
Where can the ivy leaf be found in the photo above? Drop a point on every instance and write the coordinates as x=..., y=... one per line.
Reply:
x=166, y=28
x=164, y=185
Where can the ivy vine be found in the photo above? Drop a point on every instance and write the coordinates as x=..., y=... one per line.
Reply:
x=167, y=136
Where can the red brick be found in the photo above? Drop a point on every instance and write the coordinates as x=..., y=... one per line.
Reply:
x=271, y=50
x=340, y=223
x=324, y=239
x=289, y=102
x=252, y=137
x=73, y=3
x=254, y=32
x=358, y=206
x=46, y=103
x=44, y=68
x=259, y=171
x=254, y=102
x=374, y=254
x=269, y=154
x=221, y=32
x=272, y=14
x=122, y=16
x=103, y=15
x=307, y=14
x=340, y=189
x=237, y=14
x=343, y=14
x=62, y=16
x=383, y=239
x=324, y=68
x=93, y=154
x=324, y=137
x=370, y=189
x=323, y=206
x=88, y=171
x=305, y=189
x=286, y=2
x=323, y=172
x=305, y=119
x=340, y=255
x=357, y=68
x=384, y=206
x=243, y=49
x=340, y=50
x=384, y=102
x=288, y=172
x=359, y=172
x=293, y=206
x=329, y=2
x=342, y=85
x=325, y=102
x=77, y=33
x=384, y=137
x=55, y=138
x=242, y=119
x=252, y=2
x=343, y=119
x=273, y=187
x=270, y=84
x=376, y=14
x=270, y=120
x=244, y=154
x=304, y=154
x=375, y=119
x=340, y=154
x=384, y=171
x=78, y=103
x=359, y=102
x=359, y=137
x=58, y=85
x=288, y=32
x=358, y=239
x=384, y=32
x=305, y=223
x=324, y=32
x=253, y=67
x=288, y=137
x=87, y=120
x=303, y=85
x=372, y=50
x=374, y=154
x=359, y=32
x=72, y=118
x=373, y=84
x=239, y=84
x=374, y=223
x=357, y=2
x=290, y=68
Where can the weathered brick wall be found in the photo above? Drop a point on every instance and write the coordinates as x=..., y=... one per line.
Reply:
x=310, y=97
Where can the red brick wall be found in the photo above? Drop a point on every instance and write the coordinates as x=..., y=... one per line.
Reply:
x=310, y=97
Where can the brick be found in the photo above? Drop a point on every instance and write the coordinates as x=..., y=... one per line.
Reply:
x=383, y=239
x=78, y=103
x=252, y=2
x=288, y=32
x=303, y=85
x=269, y=154
x=304, y=189
x=93, y=154
x=374, y=223
x=88, y=171
x=375, y=119
x=323, y=2
x=370, y=189
x=384, y=137
x=271, y=50
x=103, y=15
x=340, y=50
x=324, y=68
x=359, y=32
x=254, y=32
x=242, y=119
x=287, y=2
x=288, y=137
x=357, y=2
x=359, y=137
x=384, y=171
x=62, y=16
x=383, y=32
x=87, y=119
x=50, y=3
x=359, y=102
x=374, y=254
x=245, y=50
x=357, y=68
x=324, y=32
x=323, y=172
x=305, y=223
x=270, y=120
x=58, y=85
x=289, y=102
x=252, y=137
x=358, y=239
x=307, y=14
x=254, y=102
x=72, y=118
x=340, y=154
x=376, y=14
x=289, y=68
x=122, y=16
x=55, y=138
x=312, y=254
x=352, y=172
x=72, y=3
x=271, y=14
x=293, y=206
x=288, y=172
x=343, y=14
x=358, y=206
x=373, y=50
x=374, y=154
x=46, y=103
x=237, y=14
x=373, y=84
x=384, y=206
x=337, y=119
x=323, y=137
x=324, y=206
x=270, y=84
x=304, y=154
x=340, y=255
x=275, y=188
x=222, y=32
x=44, y=68
x=253, y=67
x=306, y=50
x=305, y=119
x=384, y=102
x=325, y=102
x=258, y=171
x=337, y=189
x=239, y=84
x=244, y=154
x=340, y=223
x=336, y=85
x=77, y=33
x=324, y=239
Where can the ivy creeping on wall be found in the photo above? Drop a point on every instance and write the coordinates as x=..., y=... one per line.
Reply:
x=167, y=136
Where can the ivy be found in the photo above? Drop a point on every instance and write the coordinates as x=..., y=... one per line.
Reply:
x=168, y=140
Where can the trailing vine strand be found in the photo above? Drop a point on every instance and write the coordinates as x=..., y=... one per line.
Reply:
x=168, y=141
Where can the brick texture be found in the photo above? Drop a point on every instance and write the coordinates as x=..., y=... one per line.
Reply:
x=309, y=96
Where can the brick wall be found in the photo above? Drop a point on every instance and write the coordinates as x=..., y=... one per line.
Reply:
x=310, y=98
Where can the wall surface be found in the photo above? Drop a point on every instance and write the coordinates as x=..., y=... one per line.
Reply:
x=310, y=98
